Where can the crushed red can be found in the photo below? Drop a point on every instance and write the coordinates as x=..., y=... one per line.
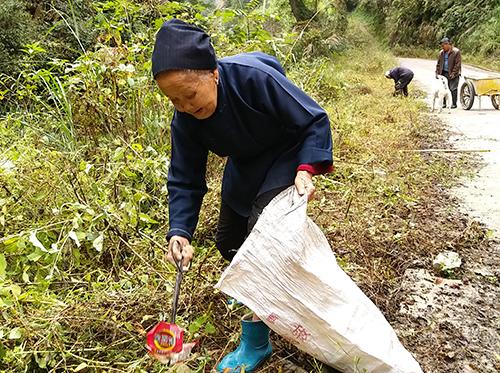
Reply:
x=165, y=339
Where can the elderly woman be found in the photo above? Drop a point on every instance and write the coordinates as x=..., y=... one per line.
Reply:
x=242, y=107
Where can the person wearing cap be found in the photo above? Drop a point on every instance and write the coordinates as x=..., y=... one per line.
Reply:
x=402, y=77
x=449, y=64
x=244, y=108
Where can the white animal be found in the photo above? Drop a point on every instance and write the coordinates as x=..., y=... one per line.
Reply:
x=441, y=92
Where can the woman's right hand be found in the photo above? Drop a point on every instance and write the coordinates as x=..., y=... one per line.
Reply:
x=183, y=250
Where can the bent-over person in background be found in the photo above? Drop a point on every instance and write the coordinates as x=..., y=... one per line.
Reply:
x=402, y=77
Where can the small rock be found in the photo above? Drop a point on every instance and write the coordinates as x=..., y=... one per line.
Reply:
x=485, y=272
x=468, y=369
x=451, y=355
x=447, y=261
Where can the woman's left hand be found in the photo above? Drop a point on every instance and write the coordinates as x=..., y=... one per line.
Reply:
x=304, y=184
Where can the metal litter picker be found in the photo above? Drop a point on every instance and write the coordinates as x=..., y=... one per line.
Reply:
x=165, y=342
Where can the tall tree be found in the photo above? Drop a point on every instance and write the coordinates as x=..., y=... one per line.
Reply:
x=300, y=10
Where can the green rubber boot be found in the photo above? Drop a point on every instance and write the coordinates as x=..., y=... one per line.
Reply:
x=253, y=350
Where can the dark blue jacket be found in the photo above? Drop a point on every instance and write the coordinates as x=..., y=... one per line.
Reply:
x=401, y=73
x=263, y=123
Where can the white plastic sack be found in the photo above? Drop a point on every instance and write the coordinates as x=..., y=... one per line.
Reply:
x=287, y=274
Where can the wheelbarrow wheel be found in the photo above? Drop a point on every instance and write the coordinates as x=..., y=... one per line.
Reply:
x=467, y=93
x=495, y=100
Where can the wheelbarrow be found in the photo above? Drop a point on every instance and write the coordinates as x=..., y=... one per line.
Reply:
x=475, y=86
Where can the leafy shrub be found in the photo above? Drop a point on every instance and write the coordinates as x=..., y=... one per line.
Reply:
x=484, y=38
x=323, y=34
x=17, y=28
x=67, y=26
x=473, y=25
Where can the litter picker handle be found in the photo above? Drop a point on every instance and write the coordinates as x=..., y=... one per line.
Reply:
x=178, y=280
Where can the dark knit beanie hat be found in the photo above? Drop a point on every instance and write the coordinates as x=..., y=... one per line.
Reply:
x=181, y=46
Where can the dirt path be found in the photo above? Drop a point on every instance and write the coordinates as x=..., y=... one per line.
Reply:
x=474, y=129
x=452, y=325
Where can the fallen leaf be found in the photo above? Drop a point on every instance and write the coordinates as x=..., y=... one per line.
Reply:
x=35, y=242
x=15, y=333
x=74, y=237
x=81, y=366
x=3, y=265
x=97, y=243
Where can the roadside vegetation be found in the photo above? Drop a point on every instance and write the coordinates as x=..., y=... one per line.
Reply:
x=84, y=147
x=413, y=28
